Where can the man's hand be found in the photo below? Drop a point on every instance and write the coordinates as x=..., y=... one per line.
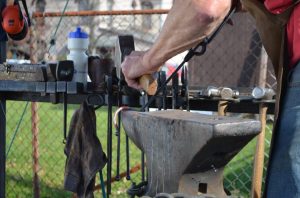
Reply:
x=134, y=67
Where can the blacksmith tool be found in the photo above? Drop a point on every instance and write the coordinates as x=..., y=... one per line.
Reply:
x=58, y=71
x=175, y=91
x=124, y=46
x=23, y=72
x=162, y=77
x=185, y=88
x=109, y=133
x=260, y=93
x=224, y=93
x=181, y=160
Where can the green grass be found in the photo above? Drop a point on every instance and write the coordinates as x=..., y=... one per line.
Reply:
x=19, y=175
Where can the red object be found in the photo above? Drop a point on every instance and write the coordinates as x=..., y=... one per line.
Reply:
x=12, y=24
x=293, y=26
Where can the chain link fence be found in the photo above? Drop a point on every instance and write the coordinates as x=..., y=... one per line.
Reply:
x=231, y=60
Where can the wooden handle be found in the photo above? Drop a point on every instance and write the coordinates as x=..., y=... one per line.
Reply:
x=148, y=83
x=258, y=166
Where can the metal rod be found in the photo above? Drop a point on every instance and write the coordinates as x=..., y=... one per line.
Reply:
x=102, y=185
x=2, y=119
x=100, y=13
x=175, y=92
x=143, y=165
x=118, y=133
x=109, y=134
x=127, y=159
x=2, y=147
x=65, y=107
x=145, y=100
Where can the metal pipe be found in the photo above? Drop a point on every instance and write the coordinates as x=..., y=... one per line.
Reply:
x=118, y=133
x=99, y=13
x=109, y=134
x=2, y=115
x=65, y=109
x=2, y=146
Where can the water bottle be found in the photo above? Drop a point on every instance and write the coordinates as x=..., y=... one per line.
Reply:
x=78, y=43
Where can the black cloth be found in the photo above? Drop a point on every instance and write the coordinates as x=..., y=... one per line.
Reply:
x=85, y=157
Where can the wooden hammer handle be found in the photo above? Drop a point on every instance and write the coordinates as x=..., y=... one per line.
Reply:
x=148, y=83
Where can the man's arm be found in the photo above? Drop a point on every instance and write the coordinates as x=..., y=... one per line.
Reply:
x=188, y=22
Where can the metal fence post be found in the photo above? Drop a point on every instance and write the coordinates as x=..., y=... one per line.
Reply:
x=2, y=128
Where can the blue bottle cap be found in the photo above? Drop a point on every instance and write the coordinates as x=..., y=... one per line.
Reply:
x=78, y=34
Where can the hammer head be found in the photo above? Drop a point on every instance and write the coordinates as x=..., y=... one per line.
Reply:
x=124, y=46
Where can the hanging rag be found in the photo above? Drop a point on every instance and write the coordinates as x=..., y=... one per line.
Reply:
x=85, y=157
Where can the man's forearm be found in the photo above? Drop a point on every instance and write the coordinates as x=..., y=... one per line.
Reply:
x=188, y=22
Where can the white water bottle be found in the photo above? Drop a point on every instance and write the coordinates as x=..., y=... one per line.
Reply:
x=78, y=43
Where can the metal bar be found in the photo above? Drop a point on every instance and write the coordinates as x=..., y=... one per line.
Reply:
x=99, y=13
x=145, y=100
x=2, y=115
x=2, y=146
x=65, y=105
x=175, y=87
x=118, y=133
x=109, y=135
x=127, y=159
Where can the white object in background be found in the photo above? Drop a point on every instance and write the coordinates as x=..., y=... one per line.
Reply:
x=78, y=43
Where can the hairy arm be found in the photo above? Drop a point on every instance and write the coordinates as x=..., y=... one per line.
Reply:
x=188, y=22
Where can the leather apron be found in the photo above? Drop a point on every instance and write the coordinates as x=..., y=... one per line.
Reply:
x=272, y=30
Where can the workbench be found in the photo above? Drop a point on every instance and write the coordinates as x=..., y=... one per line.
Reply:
x=58, y=92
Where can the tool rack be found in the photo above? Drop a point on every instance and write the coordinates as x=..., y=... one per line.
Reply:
x=57, y=92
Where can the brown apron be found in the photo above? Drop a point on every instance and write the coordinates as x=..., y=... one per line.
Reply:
x=272, y=30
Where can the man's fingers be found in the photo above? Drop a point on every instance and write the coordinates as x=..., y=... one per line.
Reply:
x=133, y=83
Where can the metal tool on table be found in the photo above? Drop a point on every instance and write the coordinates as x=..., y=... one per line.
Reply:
x=260, y=93
x=23, y=72
x=56, y=71
x=224, y=93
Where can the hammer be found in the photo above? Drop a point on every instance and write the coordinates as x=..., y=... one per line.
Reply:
x=124, y=46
